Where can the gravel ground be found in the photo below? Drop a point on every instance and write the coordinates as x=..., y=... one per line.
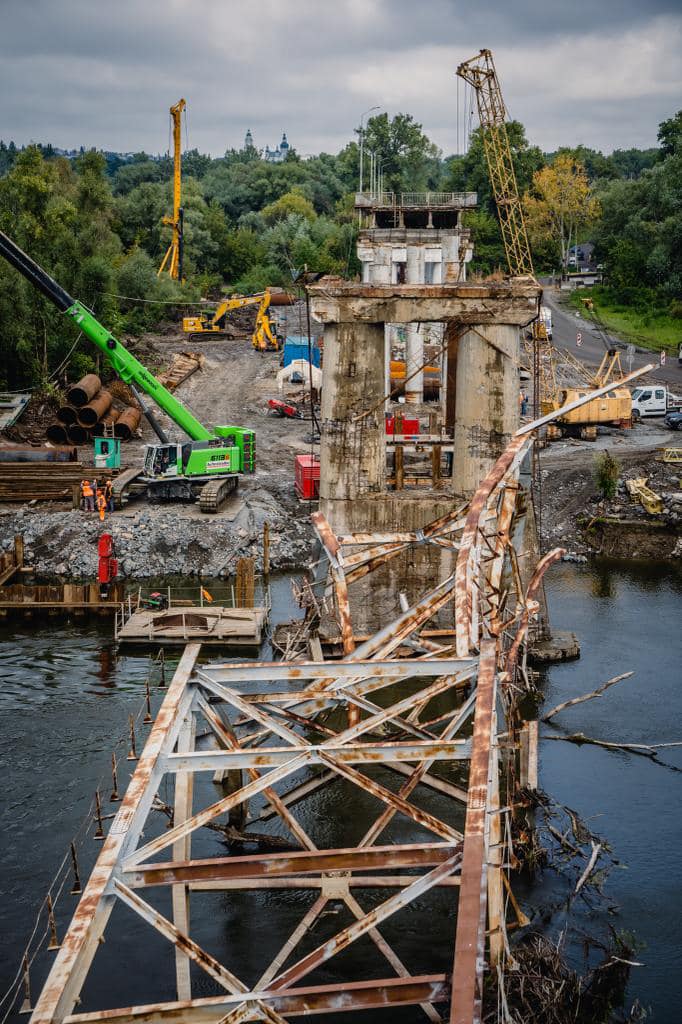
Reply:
x=232, y=388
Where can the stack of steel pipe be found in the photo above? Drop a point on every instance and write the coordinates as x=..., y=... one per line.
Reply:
x=127, y=423
x=84, y=391
x=90, y=412
x=106, y=423
x=96, y=408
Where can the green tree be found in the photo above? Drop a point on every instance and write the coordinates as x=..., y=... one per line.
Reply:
x=405, y=152
x=670, y=135
x=606, y=472
x=469, y=173
x=291, y=202
x=560, y=205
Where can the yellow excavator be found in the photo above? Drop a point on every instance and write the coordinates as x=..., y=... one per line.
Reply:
x=264, y=337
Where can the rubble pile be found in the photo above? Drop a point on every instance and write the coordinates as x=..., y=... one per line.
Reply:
x=162, y=540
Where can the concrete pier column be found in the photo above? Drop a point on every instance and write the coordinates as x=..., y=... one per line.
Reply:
x=414, y=359
x=487, y=401
x=414, y=339
x=352, y=447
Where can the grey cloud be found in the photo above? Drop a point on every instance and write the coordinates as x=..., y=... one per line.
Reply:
x=95, y=73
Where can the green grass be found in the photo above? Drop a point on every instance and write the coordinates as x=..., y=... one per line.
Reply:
x=646, y=330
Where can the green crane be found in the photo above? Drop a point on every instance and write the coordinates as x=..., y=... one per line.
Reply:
x=209, y=465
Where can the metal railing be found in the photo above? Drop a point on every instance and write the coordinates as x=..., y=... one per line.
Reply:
x=458, y=200
x=197, y=596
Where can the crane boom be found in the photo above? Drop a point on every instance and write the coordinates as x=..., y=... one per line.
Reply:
x=129, y=369
x=480, y=73
x=173, y=255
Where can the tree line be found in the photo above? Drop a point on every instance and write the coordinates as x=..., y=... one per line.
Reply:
x=94, y=220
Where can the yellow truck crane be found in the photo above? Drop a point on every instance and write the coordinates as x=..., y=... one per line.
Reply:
x=264, y=338
x=614, y=408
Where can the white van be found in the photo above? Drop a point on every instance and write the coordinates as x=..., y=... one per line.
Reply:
x=653, y=401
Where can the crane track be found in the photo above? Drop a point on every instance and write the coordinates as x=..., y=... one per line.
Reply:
x=209, y=335
x=216, y=492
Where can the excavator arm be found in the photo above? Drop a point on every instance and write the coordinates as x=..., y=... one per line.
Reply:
x=236, y=302
x=129, y=369
x=263, y=338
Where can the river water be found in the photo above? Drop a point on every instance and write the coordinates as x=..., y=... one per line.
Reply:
x=66, y=695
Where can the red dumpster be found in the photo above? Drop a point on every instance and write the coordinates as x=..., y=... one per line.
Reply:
x=307, y=476
x=410, y=425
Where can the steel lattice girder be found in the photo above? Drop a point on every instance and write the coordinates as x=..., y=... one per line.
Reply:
x=265, y=732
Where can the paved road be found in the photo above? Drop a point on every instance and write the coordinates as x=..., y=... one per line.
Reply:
x=565, y=325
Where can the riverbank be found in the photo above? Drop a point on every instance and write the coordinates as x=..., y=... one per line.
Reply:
x=576, y=516
x=153, y=540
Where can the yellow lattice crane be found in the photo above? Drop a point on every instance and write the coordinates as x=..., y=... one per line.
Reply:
x=173, y=257
x=480, y=72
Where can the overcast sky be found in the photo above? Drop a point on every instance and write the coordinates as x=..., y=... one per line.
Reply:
x=104, y=72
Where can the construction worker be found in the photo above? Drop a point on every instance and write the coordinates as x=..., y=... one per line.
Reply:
x=87, y=496
x=109, y=494
x=101, y=503
x=524, y=403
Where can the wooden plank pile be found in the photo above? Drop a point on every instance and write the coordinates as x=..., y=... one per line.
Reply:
x=43, y=481
x=184, y=364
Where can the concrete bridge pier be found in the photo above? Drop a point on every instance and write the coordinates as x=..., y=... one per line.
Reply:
x=353, y=445
x=486, y=406
x=355, y=495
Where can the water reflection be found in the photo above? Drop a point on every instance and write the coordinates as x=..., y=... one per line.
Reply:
x=627, y=616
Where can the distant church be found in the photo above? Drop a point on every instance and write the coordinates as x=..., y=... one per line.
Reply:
x=272, y=156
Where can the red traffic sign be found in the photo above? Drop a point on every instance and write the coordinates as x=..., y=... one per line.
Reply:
x=578, y=339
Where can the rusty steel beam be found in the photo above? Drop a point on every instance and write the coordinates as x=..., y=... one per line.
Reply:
x=359, y=753
x=62, y=988
x=275, y=865
x=467, y=973
x=295, y=1002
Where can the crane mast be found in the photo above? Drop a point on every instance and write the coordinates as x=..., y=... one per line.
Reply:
x=480, y=73
x=173, y=257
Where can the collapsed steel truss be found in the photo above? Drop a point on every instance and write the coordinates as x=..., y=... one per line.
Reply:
x=271, y=726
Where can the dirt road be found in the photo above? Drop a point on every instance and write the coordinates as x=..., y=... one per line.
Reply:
x=567, y=323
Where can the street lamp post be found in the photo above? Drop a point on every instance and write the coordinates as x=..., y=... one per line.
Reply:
x=362, y=140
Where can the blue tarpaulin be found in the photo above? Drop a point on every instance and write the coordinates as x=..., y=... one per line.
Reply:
x=296, y=347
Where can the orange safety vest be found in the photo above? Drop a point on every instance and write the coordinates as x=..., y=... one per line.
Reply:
x=101, y=501
x=87, y=489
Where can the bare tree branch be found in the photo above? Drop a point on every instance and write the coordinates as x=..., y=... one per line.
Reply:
x=588, y=696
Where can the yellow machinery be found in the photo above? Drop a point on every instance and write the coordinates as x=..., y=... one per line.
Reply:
x=612, y=409
x=481, y=74
x=648, y=499
x=173, y=257
x=264, y=339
